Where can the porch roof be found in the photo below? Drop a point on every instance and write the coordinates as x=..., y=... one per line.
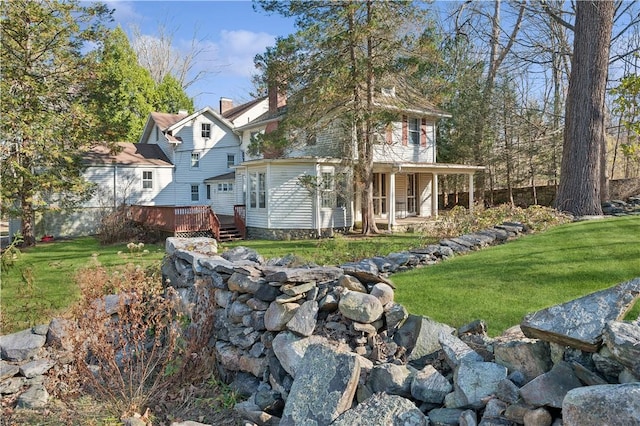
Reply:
x=437, y=168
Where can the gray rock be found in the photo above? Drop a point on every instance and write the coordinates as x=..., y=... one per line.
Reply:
x=383, y=409
x=507, y=391
x=323, y=388
x=420, y=336
x=36, y=368
x=580, y=322
x=395, y=315
x=278, y=315
x=256, y=366
x=227, y=355
x=21, y=346
x=223, y=297
x=352, y=283
x=383, y=292
x=244, y=283
x=587, y=376
x=329, y=303
x=304, y=319
x=456, y=351
x=217, y=264
x=627, y=376
x=296, y=290
x=550, y=388
x=474, y=381
x=240, y=253
x=202, y=245
x=360, y=307
x=529, y=356
x=303, y=275
x=392, y=379
x=8, y=370
x=57, y=334
x=613, y=405
x=243, y=337
x=257, y=304
x=289, y=349
x=366, y=271
x=445, y=416
x=189, y=423
x=250, y=411
x=34, y=397
x=493, y=410
x=623, y=340
x=606, y=364
x=11, y=385
x=267, y=293
x=237, y=311
x=468, y=418
x=429, y=385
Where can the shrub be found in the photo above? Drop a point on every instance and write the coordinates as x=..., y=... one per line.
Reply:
x=129, y=348
x=460, y=221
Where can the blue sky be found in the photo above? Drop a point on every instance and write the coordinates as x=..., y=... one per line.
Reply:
x=231, y=33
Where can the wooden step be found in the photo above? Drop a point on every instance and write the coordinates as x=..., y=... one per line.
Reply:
x=230, y=233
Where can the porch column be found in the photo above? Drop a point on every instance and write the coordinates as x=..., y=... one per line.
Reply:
x=434, y=196
x=470, y=192
x=392, y=200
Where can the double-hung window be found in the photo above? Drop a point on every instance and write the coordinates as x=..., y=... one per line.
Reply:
x=231, y=160
x=195, y=192
x=147, y=179
x=414, y=131
x=206, y=130
x=195, y=160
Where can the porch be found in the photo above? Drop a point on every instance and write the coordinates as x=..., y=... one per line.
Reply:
x=406, y=196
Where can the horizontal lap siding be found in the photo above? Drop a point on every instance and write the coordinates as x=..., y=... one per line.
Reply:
x=290, y=205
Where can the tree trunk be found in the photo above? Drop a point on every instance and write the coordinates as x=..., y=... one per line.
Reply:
x=580, y=175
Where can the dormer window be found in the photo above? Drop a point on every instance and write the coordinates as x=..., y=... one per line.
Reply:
x=206, y=130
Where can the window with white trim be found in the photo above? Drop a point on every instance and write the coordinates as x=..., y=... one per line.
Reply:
x=414, y=130
x=231, y=160
x=225, y=187
x=208, y=192
x=147, y=179
x=327, y=190
x=195, y=192
x=257, y=190
x=195, y=160
x=206, y=130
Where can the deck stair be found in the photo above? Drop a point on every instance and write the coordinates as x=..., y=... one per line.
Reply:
x=229, y=232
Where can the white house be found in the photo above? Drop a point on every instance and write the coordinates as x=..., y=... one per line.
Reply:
x=309, y=191
x=201, y=159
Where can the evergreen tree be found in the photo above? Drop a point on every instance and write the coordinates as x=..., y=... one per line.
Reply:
x=44, y=122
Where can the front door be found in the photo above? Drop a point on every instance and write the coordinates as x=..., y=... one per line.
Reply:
x=380, y=194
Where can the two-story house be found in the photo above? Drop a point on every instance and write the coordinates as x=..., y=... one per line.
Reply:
x=310, y=191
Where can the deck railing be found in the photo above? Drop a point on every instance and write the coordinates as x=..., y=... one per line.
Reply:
x=177, y=219
x=240, y=219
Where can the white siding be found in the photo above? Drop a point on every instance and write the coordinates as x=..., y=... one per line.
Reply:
x=128, y=185
x=424, y=194
x=290, y=205
x=401, y=195
x=397, y=152
x=222, y=201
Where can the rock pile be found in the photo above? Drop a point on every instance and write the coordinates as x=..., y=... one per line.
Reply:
x=328, y=345
x=620, y=207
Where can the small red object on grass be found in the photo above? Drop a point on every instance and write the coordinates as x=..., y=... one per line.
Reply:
x=46, y=239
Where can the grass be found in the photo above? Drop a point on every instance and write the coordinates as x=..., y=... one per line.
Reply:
x=501, y=284
x=337, y=250
x=41, y=282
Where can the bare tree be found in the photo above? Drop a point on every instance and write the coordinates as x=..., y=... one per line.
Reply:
x=580, y=178
x=161, y=57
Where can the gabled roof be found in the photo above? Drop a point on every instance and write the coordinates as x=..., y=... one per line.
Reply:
x=170, y=122
x=129, y=154
x=237, y=111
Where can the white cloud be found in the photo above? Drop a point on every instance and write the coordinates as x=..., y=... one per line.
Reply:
x=124, y=11
x=236, y=50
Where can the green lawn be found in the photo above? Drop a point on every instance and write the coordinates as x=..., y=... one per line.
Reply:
x=41, y=281
x=503, y=283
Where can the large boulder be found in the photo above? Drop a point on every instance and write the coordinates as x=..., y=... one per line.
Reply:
x=623, y=340
x=550, y=388
x=323, y=389
x=360, y=307
x=580, y=323
x=612, y=405
x=21, y=346
x=420, y=336
x=383, y=409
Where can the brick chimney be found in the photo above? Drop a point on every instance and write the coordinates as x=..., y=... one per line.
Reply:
x=277, y=99
x=225, y=105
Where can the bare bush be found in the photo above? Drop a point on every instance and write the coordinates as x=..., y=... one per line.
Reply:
x=129, y=346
